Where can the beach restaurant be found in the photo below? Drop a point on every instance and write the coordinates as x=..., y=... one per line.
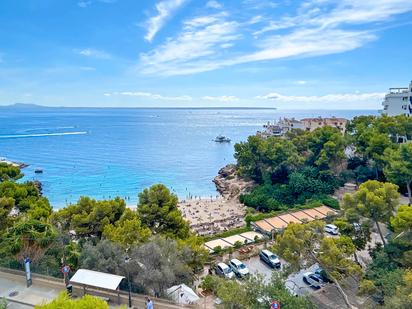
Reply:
x=278, y=223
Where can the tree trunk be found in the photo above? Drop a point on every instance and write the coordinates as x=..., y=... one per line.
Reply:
x=342, y=292
x=380, y=232
x=408, y=186
x=356, y=259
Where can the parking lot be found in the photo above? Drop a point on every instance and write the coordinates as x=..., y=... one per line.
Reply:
x=294, y=282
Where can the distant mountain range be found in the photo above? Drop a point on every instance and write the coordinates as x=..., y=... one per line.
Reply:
x=24, y=106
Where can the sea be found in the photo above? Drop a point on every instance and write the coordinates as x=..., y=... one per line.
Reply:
x=108, y=152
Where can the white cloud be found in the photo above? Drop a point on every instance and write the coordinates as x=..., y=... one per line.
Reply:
x=165, y=9
x=372, y=100
x=223, y=98
x=202, y=38
x=346, y=97
x=319, y=27
x=213, y=4
x=150, y=95
x=84, y=4
x=301, y=82
x=94, y=53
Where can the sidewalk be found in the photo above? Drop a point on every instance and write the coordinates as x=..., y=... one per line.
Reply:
x=44, y=289
x=34, y=295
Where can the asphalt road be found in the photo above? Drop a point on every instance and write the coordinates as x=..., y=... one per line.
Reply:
x=294, y=282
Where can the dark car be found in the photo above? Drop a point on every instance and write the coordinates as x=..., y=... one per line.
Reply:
x=269, y=258
x=322, y=275
x=313, y=280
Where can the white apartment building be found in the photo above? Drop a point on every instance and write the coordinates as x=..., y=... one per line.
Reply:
x=398, y=102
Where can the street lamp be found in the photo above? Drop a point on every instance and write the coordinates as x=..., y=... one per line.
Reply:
x=127, y=260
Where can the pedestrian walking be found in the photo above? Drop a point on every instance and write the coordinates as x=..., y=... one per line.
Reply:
x=149, y=303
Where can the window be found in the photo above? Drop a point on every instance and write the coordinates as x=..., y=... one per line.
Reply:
x=405, y=99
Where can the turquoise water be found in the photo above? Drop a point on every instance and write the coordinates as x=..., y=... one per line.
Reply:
x=118, y=152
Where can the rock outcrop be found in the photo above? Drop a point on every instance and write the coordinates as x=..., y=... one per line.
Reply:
x=229, y=184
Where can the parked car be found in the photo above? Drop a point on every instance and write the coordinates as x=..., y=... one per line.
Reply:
x=331, y=229
x=239, y=268
x=224, y=270
x=322, y=275
x=357, y=228
x=313, y=280
x=269, y=258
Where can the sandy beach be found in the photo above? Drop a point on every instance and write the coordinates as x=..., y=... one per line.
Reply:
x=211, y=216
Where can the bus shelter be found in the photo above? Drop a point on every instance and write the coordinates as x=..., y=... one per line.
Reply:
x=97, y=280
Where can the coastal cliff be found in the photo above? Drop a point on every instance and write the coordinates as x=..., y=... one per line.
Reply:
x=229, y=184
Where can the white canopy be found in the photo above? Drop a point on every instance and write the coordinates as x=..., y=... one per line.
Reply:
x=182, y=294
x=96, y=279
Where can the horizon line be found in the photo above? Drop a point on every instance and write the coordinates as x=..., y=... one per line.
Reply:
x=33, y=105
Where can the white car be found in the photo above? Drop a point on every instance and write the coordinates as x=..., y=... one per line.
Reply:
x=224, y=270
x=239, y=268
x=331, y=229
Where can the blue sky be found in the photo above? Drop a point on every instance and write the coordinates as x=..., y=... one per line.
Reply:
x=289, y=54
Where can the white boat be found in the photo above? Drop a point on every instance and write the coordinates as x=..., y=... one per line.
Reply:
x=222, y=139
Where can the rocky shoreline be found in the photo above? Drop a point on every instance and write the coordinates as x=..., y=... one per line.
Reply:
x=229, y=184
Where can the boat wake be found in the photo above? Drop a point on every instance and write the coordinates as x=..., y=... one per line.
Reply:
x=42, y=134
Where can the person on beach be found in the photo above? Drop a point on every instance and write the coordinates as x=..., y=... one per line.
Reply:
x=149, y=303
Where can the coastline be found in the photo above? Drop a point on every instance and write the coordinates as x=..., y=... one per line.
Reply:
x=13, y=163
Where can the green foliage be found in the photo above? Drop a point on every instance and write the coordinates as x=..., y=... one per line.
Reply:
x=89, y=217
x=360, y=236
x=30, y=238
x=3, y=303
x=196, y=253
x=209, y=283
x=297, y=243
x=402, y=297
x=326, y=147
x=402, y=221
x=373, y=137
x=335, y=257
x=255, y=292
x=158, y=211
x=261, y=159
x=291, y=170
x=399, y=166
x=374, y=200
x=63, y=301
x=9, y=172
x=127, y=231
x=26, y=198
x=388, y=264
x=6, y=205
x=159, y=264
x=105, y=256
x=303, y=245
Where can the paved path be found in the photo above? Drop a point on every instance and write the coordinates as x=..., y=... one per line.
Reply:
x=25, y=297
